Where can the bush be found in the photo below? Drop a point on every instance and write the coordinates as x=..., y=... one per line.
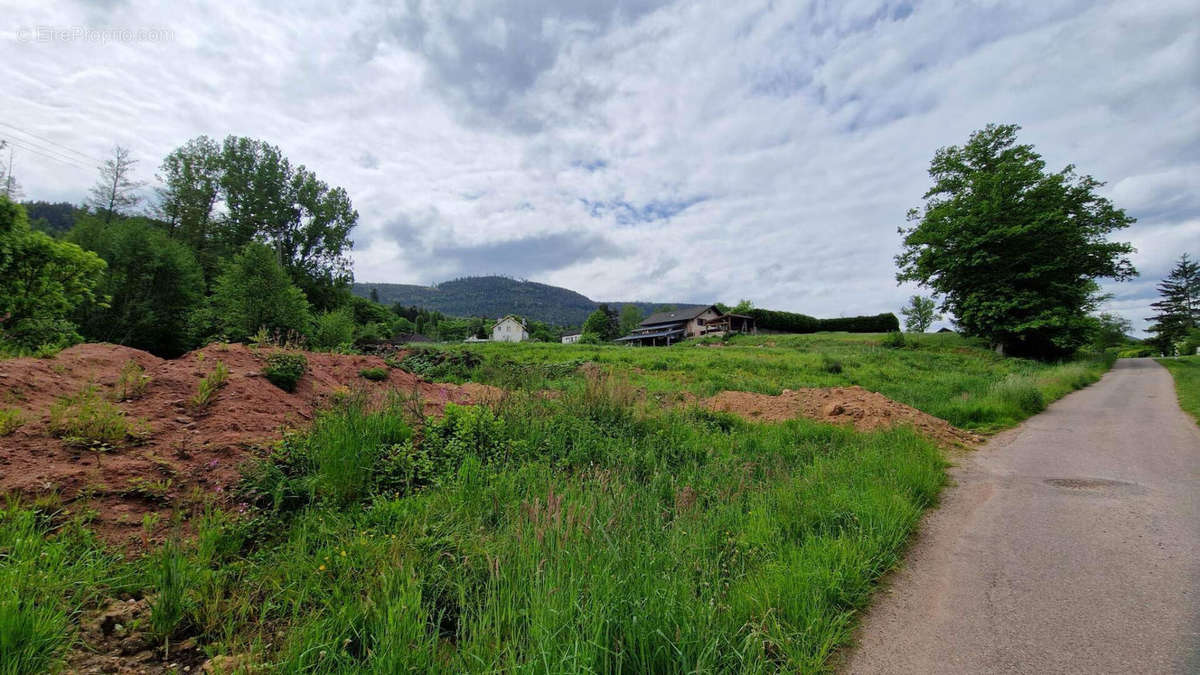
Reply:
x=374, y=374
x=10, y=420
x=893, y=340
x=829, y=365
x=1137, y=353
x=132, y=382
x=206, y=391
x=255, y=292
x=285, y=369
x=790, y=322
x=334, y=330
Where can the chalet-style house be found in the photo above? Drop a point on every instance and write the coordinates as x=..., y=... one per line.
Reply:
x=665, y=328
x=510, y=329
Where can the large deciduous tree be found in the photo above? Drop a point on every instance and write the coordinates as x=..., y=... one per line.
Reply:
x=116, y=190
x=153, y=283
x=43, y=281
x=1178, y=310
x=191, y=184
x=1014, y=250
x=255, y=292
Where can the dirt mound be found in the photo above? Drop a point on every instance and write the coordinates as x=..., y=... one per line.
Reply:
x=855, y=406
x=187, y=454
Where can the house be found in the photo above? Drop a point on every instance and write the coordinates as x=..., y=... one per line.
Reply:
x=665, y=328
x=510, y=329
x=571, y=339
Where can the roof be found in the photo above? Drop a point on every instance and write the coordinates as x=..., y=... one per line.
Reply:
x=686, y=314
x=514, y=317
x=643, y=336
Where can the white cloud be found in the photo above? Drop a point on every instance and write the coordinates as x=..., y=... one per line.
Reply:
x=686, y=151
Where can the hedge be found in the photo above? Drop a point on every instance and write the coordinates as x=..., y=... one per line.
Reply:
x=802, y=323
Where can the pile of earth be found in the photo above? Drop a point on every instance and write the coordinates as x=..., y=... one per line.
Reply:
x=187, y=454
x=854, y=406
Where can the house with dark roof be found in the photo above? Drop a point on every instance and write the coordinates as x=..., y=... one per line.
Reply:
x=666, y=328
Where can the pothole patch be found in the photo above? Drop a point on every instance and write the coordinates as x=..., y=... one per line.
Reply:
x=1088, y=483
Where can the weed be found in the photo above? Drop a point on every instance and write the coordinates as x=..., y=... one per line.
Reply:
x=88, y=419
x=171, y=575
x=208, y=387
x=132, y=382
x=285, y=369
x=893, y=340
x=10, y=420
x=832, y=366
x=374, y=374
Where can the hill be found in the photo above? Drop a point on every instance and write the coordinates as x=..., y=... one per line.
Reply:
x=494, y=297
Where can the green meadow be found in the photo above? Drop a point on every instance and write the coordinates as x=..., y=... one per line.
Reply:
x=1186, y=372
x=611, y=528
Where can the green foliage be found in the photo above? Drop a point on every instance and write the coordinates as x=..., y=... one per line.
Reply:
x=255, y=292
x=1178, y=310
x=832, y=366
x=1138, y=352
x=1186, y=371
x=1013, y=250
x=374, y=374
x=440, y=365
x=171, y=573
x=334, y=330
x=132, y=382
x=1110, y=331
x=89, y=419
x=602, y=324
x=920, y=314
x=790, y=322
x=209, y=385
x=43, y=281
x=10, y=420
x=284, y=369
x=893, y=340
x=631, y=318
x=53, y=218
x=153, y=283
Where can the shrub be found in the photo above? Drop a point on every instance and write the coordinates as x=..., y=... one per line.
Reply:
x=334, y=330
x=830, y=365
x=87, y=418
x=206, y=391
x=893, y=340
x=1137, y=353
x=374, y=374
x=10, y=420
x=132, y=382
x=284, y=369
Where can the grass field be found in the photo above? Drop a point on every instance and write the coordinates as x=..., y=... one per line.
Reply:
x=1186, y=371
x=595, y=531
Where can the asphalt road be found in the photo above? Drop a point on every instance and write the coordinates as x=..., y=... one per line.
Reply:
x=1070, y=544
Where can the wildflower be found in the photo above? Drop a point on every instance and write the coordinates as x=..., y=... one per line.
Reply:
x=343, y=554
x=321, y=568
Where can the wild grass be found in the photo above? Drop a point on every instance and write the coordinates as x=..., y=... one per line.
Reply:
x=209, y=385
x=87, y=418
x=374, y=374
x=945, y=375
x=284, y=369
x=1186, y=371
x=10, y=420
x=132, y=382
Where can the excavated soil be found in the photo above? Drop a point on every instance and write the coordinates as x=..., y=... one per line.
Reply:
x=853, y=406
x=188, y=455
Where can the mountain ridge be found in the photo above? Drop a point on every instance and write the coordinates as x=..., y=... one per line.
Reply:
x=495, y=296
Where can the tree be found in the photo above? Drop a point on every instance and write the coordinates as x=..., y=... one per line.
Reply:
x=43, y=281
x=115, y=192
x=631, y=318
x=602, y=324
x=52, y=218
x=920, y=314
x=1178, y=312
x=153, y=283
x=191, y=182
x=255, y=292
x=1014, y=251
x=9, y=186
x=1111, y=331
x=304, y=220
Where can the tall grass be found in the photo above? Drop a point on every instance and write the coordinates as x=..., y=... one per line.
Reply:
x=1186, y=371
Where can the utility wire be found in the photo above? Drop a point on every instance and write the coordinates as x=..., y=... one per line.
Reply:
x=41, y=152
x=47, y=140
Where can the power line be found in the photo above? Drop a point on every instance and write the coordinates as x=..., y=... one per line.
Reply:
x=38, y=151
x=47, y=140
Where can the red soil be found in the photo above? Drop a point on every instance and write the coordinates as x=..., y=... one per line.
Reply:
x=199, y=451
x=864, y=410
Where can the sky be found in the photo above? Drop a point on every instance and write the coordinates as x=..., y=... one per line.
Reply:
x=636, y=150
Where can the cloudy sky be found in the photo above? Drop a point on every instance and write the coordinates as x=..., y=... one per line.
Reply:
x=688, y=151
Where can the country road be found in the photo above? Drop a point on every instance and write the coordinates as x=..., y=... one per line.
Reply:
x=1070, y=544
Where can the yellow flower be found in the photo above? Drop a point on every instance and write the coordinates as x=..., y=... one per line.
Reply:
x=321, y=568
x=343, y=554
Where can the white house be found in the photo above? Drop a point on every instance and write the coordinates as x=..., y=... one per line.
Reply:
x=510, y=329
x=571, y=339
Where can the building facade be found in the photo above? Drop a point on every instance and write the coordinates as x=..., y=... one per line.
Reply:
x=510, y=329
